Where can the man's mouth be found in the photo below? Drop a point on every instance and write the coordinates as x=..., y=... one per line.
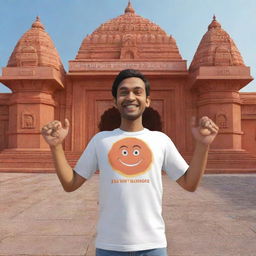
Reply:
x=131, y=106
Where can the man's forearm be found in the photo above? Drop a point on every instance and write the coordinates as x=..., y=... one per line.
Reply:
x=197, y=166
x=64, y=171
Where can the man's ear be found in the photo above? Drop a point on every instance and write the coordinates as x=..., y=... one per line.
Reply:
x=148, y=101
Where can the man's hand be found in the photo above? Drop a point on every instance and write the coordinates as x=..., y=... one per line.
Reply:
x=54, y=133
x=206, y=131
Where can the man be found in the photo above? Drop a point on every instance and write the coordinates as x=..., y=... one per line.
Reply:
x=131, y=159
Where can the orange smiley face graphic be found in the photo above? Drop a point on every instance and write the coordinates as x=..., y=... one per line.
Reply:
x=130, y=157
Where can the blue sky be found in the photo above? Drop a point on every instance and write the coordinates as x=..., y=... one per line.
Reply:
x=69, y=21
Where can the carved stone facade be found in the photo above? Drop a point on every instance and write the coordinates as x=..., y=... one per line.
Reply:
x=216, y=49
x=42, y=91
x=129, y=36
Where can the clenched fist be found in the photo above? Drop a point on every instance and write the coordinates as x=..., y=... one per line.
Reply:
x=206, y=131
x=54, y=133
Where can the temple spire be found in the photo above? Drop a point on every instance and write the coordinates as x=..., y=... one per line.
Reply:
x=129, y=8
x=214, y=24
x=37, y=23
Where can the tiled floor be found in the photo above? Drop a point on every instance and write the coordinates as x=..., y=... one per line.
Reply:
x=38, y=218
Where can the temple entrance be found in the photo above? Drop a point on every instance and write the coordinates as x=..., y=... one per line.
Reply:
x=111, y=120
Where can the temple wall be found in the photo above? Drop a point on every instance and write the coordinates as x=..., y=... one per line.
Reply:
x=190, y=100
x=168, y=98
x=4, y=118
x=92, y=97
x=249, y=122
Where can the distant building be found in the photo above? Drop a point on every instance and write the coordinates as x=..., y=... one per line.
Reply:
x=43, y=91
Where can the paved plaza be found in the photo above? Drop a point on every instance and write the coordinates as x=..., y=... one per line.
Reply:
x=38, y=218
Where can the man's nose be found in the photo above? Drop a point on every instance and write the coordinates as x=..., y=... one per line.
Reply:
x=130, y=96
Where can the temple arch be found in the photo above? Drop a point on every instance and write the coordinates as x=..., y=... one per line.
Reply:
x=111, y=120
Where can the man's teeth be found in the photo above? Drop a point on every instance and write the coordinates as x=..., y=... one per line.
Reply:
x=130, y=106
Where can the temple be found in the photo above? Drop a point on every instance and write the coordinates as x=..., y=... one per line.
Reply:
x=43, y=91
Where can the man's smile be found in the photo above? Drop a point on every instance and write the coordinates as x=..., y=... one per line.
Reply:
x=130, y=106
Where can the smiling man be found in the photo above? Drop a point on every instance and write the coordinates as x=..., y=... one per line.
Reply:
x=131, y=159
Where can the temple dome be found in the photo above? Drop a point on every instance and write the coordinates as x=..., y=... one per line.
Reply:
x=35, y=49
x=216, y=49
x=129, y=36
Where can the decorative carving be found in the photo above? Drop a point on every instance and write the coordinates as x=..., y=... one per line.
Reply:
x=211, y=86
x=222, y=56
x=26, y=72
x=216, y=49
x=249, y=109
x=95, y=38
x=27, y=57
x=152, y=38
x=35, y=48
x=166, y=66
x=128, y=55
x=159, y=38
x=166, y=39
x=221, y=120
x=145, y=38
x=128, y=40
x=117, y=38
x=103, y=39
x=110, y=39
x=27, y=120
x=139, y=39
x=140, y=32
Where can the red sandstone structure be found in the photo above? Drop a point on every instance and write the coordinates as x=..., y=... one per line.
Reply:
x=42, y=91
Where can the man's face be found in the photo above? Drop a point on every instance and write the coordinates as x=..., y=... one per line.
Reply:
x=131, y=98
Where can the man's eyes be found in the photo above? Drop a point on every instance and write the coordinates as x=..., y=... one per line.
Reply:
x=136, y=92
x=123, y=92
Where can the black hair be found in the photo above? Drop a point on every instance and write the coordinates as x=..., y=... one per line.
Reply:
x=126, y=74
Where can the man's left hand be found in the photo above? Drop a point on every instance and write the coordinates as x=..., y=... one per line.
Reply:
x=206, y=130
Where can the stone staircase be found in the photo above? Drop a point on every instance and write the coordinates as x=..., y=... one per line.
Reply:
x=232, y=161
x=31, y=161
x=35, y=161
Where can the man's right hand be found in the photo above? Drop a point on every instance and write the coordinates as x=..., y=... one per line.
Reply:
x=54, y=133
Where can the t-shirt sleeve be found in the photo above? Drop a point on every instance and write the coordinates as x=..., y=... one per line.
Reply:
x=174, y=164
x=87, y=164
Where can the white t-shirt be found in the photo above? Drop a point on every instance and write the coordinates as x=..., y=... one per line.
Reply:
x=130, y=165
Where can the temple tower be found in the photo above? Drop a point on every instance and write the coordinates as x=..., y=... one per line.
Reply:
x=33, y=73
x=127, y=41
x=218, y=72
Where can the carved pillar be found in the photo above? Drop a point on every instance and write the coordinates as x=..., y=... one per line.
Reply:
x=4, y=118
x=218, y=98
x=31, y=104
x=220, y=101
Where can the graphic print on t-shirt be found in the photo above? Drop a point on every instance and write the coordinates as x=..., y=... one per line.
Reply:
x=130, y=157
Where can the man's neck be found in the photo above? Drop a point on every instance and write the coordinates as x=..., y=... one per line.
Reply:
x=131, y=125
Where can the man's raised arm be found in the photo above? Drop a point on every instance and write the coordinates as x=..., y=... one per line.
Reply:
x=54, y=134
x=204, y=134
